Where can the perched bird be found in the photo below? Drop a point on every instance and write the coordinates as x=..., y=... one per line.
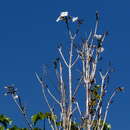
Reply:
x=62, y=16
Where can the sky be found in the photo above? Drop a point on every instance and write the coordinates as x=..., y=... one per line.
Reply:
x=29, y=36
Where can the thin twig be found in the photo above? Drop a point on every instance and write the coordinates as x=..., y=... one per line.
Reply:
x=23, y=113
x=43, y=86
x=94, y=67
x=43, y=92
x=78, y=108
x=74, y=110
x=78, y=86
x=101, y=94
x=50, y=124
x=96, y=27
x=75, y=61
x=97, y=21
x=68, y=28
x=53, y=97
x=99, y=120
x=63, y=57
x=90, y=34
x=107, y=107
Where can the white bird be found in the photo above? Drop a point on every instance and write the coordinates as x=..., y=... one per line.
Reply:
x=74, y=19
x=62, y=16
x=98, y=37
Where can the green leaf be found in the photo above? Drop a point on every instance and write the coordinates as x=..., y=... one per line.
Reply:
x=74, y=125
x=92, y=102
x=40, y=116
x=5, y=121
x=95, y=91
x=59, y=123
x=1, y=127
x=37, y=117
x=51, y=116
x=107, y=126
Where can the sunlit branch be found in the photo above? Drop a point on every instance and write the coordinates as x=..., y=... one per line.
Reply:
x=90, y=34
x=78, y=86
x=63, y=57
x=70, y=81
x=103, y=77
x=51, y=124
x=78, y=108
x=43, y=86
x=43, y=92
x=68, y=28
x=75, y=61
x=107, y=107
x=23, y=113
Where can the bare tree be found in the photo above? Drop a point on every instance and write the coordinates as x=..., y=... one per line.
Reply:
x=87, y=56
x=81, y=104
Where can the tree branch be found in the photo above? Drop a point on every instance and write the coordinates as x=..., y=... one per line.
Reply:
x=63, y=57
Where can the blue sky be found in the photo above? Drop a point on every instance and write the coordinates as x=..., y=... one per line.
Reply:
x=29, y=36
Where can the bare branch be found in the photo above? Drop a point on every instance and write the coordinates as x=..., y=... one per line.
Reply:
x=63, y=57
x=103, y=77
x=23, y=113
x=75, y=61
x=43, y=86
x=119, y=89
x=53, y=97
x=78, y=108
x=77, y=87
x=90, y=34
x=70, y=81
x=52, y=127
x=97, y=21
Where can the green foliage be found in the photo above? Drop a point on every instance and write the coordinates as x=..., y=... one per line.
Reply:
x=40, y=116
x=74, y=125
x=37, y=117
x=1, y=127
x=94, y=94
x=95, y=91
x=106, y=125
x=5, y=121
